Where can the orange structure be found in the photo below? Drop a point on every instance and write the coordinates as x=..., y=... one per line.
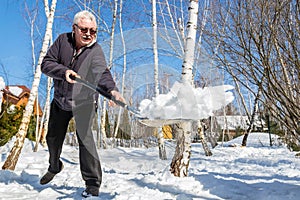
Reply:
x=18, y=95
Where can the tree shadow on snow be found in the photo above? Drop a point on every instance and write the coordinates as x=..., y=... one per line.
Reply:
x=171, y=189
x=32, y=180
x=76, y=195
x=239, y=187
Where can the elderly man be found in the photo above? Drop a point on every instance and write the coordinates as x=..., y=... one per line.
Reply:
x=77, y=54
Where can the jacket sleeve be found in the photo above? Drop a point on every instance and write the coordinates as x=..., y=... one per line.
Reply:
x=104, y=78
x=106, y=81
x=51, y=65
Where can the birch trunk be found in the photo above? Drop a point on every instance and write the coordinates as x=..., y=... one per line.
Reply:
x=32, y=24
x=103, y=115
x=181, y=159
x=13, y=156
x=181, y=29
x=160, y=135
x=189, y=49
x=124, y=68
x=203, y=139
x=161, y=144
x=45, y=118
x=155, y=52
x=47, y=110
x=101, y=138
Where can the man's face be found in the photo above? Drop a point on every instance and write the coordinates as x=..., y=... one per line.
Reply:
x=85, y=32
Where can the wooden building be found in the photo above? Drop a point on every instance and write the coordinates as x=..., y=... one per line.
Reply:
x=18, y=95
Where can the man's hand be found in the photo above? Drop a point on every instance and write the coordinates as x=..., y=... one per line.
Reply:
x=71, y=73
x=117, y=96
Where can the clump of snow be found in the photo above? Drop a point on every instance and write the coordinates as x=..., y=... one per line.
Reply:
x=185, y=102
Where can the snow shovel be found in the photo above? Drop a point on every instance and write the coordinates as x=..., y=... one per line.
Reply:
x=107, y=95
x=136, y=113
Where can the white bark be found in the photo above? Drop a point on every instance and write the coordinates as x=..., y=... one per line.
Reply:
x=155, y=51
x=180, y=162
x=189, y=49
x=161, y=144
x=181, y=159
x=124, y=68
x=47, y=111
x=160, y=136
x=181, y=29
x=101, y=138
x=225, y=126
x=103, y=115
x=43, y=129
x=32, y=23
x=203, y=139
x=13, y=156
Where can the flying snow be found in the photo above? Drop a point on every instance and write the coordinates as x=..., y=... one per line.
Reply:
x=186, y=102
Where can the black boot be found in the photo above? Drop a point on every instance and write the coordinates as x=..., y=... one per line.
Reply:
x=49, y=176
x=90, y=191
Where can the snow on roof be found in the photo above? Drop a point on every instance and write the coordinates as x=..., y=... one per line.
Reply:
x=15, y=90
x=234, y=121
x=2, y=83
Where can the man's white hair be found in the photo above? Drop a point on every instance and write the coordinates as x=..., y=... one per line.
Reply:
x=84, y=14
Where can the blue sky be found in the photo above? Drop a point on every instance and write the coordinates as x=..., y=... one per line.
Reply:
x=15, y=54
x=15, y=51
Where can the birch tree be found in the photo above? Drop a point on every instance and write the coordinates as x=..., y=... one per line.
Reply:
x=181, y=159
x=45, y=118
x=124, y=67
x=104, y=110
x=160, y=135
x=13, y=156
x=32, y=15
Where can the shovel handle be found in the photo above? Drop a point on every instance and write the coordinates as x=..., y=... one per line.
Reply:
x=99, y=90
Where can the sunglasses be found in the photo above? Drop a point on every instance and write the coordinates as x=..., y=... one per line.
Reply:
x=85, y=30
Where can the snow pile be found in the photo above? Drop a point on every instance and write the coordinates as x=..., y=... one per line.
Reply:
x=185, y=102
x=257, y=140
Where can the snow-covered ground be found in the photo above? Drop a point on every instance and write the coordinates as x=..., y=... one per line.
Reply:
x=255, y=172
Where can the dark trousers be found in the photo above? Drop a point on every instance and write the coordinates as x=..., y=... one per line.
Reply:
x=58, y=123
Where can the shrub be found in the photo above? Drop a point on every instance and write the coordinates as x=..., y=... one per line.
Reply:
x=10, y=123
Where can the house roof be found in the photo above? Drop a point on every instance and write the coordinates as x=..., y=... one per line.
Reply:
x=16, y=90
x=17, y=95
x=235, y=121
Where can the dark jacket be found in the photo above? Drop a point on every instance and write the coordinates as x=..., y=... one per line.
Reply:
x=89, y=64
